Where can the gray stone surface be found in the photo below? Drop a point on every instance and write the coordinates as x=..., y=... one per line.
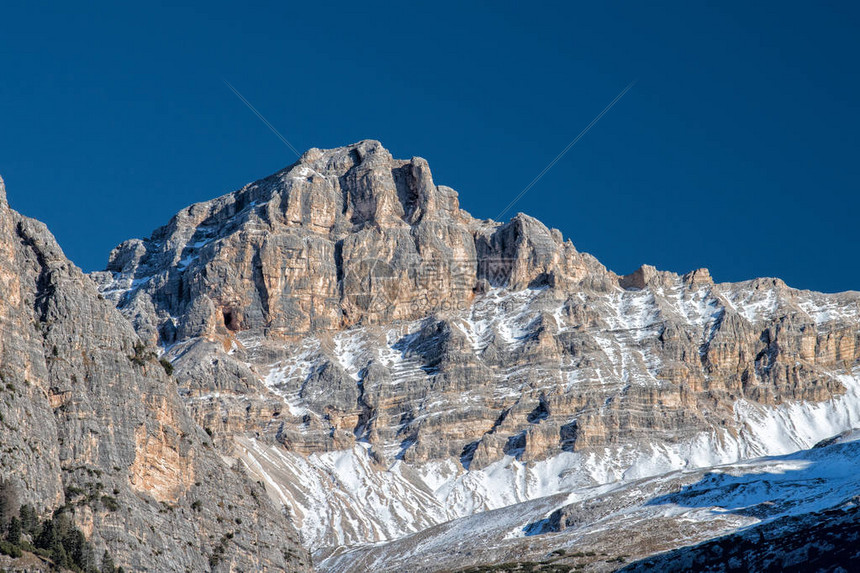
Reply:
x=86, y=407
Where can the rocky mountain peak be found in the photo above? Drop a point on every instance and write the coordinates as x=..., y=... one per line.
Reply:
x=378, y=189
x=343, y=236
x=640, y=278
x=344, y=316
x=380, y=363
x=3, y=201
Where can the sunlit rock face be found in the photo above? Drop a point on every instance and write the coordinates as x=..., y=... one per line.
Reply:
x=343, y=326
x=93, y=426
x=343, y=237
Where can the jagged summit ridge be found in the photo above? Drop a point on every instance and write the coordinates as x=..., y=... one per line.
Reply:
x=303, y=239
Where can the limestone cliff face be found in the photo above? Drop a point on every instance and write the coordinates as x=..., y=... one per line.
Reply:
x=343, y=237
x=91, y=421
x=348, y=299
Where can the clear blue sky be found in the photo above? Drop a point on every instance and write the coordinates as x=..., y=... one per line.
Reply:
x=736, y=150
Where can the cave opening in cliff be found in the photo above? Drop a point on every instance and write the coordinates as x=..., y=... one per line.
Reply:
x=231, y=319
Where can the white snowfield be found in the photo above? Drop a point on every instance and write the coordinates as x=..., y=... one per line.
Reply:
x=676, y=508
x=344, y=498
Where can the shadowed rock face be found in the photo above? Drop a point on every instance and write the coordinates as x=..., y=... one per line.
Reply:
x=86, y=408
x=348, y=299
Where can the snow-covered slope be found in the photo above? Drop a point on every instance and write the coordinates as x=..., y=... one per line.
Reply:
x=347, y=494
x=593, y=527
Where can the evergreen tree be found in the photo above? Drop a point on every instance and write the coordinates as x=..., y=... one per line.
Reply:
x=51, y=539
x=29, y=520
x=46, y=535
x=78, y=549
x=14, y=533
x=58, y=554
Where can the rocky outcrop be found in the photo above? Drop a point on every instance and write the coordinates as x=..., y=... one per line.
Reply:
x=92, y=426
x=349, y=300
x=822, y=541
x=343, y=237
